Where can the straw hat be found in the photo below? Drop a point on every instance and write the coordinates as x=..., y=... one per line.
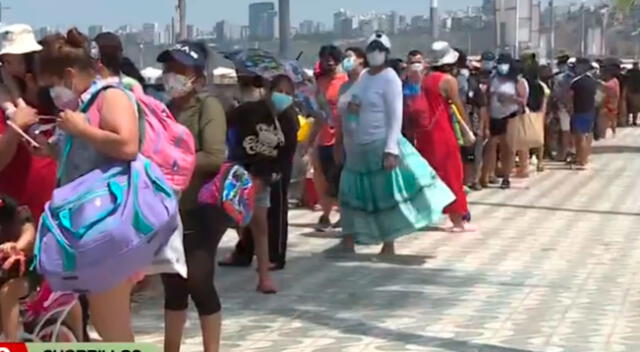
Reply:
x=18, y=39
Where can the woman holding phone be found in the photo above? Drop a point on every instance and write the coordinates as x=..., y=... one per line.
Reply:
x=27, y=178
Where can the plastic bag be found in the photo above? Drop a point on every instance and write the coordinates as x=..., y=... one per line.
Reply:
x=171, y=258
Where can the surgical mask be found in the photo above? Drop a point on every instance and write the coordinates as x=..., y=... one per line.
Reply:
x=348, y=64
x=503, y=69
x=64, y=98
x=177, y=85
x=417, y=67
x=376, y=58
x=281, y=101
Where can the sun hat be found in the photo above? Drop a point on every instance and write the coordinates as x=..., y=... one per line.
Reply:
x=18, y=39
x=443, y=54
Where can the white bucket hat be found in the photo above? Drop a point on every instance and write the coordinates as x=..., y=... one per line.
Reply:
x=18, y=39
x=443, y=54
x=380, y=37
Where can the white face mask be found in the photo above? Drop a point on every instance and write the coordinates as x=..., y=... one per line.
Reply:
x=177, y=85
x=376, y=58
x=417, y=67
x=503, y=69
x=64, y=98
x=465, y=73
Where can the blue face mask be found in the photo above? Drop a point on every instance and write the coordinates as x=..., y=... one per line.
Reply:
x=280, y=101
x=348, y=64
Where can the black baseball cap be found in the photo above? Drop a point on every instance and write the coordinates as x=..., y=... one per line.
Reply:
x=488, y=56
x=190, y=54
x=505, y=58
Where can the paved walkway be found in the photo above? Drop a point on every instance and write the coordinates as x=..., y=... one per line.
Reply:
x=554, y=268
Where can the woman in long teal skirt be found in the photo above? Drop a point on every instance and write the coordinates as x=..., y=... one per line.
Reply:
x=387, y=190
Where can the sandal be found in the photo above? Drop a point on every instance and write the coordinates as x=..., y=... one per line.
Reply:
x=234, y=261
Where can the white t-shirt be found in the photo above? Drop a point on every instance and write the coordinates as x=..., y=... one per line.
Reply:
x=380, y=116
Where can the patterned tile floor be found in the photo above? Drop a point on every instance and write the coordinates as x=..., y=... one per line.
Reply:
x=554, y=268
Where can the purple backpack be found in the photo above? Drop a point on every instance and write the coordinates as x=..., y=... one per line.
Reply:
x=105, y=226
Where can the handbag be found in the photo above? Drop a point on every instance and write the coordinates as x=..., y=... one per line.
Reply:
x=464, y=134
x=530, y=130
x=105, y=226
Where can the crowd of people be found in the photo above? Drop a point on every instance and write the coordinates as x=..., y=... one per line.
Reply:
x=396, y=145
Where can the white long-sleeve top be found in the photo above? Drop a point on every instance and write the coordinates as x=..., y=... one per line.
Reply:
x=380, y=115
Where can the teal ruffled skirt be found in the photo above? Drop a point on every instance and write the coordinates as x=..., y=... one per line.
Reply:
x=379, y=205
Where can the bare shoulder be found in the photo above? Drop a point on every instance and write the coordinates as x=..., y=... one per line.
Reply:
x=115, y=96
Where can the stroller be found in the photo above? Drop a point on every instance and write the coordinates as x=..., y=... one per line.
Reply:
x=43, y=314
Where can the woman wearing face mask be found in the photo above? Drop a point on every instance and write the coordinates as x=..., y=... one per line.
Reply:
x=203, y=115
x=323, y=136
x=387, y=189
x=27, y=178
x=434, y=137
x=262, y=138
x=507, y=100
x=353, y=64
x=68, y=68
x=411, y=88
x=252, y=90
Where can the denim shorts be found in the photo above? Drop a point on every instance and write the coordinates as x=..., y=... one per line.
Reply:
x=263, y=199
x=583, y=123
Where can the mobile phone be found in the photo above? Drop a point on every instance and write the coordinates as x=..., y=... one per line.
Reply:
x=47, y=120
x=24, y=135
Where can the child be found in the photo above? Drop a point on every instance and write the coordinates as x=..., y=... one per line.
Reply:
x=17, y=237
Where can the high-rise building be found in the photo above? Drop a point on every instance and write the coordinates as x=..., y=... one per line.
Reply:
x=262, y=21
x=167, y=38
x=191, y=32
x=337, y=20
x=149, y=33
x=43, y=32
x=393, y=22
x=124, y=29
x=95, y=30
x=402, y=23
x=225, y=31
x=307, y=27
x=321, y=27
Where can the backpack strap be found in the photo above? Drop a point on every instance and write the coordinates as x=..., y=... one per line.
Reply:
x=68, y=142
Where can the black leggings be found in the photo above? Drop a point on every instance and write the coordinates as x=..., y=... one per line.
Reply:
x=203, y=229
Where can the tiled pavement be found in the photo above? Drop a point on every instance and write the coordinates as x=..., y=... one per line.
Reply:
x=554, y=268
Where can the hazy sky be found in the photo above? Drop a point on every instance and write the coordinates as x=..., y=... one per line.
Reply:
x=203, y=13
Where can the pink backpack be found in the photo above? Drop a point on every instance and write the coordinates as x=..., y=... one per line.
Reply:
x=166, y=142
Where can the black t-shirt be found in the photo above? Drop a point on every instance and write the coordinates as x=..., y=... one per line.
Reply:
x=584, y=94
x=261, y=142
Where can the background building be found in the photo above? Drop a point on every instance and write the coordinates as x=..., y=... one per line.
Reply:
x=150, y=33
x=262, y=21
x=95, y=30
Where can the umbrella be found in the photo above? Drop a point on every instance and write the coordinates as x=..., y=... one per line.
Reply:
x=256, y=61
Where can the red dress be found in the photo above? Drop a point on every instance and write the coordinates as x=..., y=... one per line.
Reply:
x=434, y=138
